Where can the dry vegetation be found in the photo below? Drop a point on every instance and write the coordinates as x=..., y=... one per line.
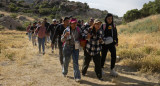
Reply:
x=21, y=65
x=140, y=44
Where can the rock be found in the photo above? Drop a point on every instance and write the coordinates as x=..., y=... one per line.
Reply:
x=22, y=18
x=9, y=22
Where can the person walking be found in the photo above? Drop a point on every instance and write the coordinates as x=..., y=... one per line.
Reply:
x=32, y=30
x=51, y=30
x=41, y=31
x=111, y=41
x=28, y=32
x=94, y=37
x=71, y=39
x=58, y=33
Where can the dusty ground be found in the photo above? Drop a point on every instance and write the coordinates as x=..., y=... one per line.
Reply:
x=35, y=69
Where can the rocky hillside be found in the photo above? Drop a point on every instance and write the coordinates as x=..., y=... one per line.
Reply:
x=57, y=9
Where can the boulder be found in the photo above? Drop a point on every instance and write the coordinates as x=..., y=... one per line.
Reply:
x=22, y=18
x=9, y=22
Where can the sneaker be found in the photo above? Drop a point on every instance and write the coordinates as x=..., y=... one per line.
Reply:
x=83, y=74
x=101, y=79
x=43, y=53
x=77, y=80
x=64, y=75
x=113, y=73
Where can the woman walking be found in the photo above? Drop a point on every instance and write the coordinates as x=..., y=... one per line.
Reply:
x=111, y=40
x=41, y=37
x=94, y=36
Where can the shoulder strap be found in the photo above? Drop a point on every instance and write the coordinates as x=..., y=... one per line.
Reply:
x=104, y=26
x=78, y=30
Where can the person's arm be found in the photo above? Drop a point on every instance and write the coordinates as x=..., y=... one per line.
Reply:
x=115, y=35
x=86, y=34
x=101, y=36
x=49, y=29
x=64, y=36
x=27, y=29
x=31, y=29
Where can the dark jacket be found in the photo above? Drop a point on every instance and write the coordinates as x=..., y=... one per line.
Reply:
x=47, y=25
x=58, y=32
x=108, y=32
x=52, y=28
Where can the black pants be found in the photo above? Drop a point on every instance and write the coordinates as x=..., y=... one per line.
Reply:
x=97, y=62
x=60, y=52
x=112, y=49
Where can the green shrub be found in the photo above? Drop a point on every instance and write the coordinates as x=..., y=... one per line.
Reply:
x=158, y=52
x=14, y=15
x=148, y=49
x=1, y=27
x=45, y=11
x=25, y=24
x=13, y=7
x=131, y=54
x=21, y=28
x=10, y=56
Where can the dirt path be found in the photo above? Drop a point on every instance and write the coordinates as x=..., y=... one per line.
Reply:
x=45, y=70
x=8, y=14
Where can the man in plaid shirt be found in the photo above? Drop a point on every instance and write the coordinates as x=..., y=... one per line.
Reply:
x=94, y=36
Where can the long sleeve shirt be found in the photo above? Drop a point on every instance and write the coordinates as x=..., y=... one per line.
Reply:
x=93, y=45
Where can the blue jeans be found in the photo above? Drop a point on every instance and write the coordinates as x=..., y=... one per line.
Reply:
x=29, y=36
x=41, y=42
x=69, y=51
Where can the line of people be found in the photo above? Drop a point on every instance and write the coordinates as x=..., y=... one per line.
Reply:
x=94, y=37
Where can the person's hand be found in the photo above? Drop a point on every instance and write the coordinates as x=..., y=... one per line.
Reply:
x=67, y=34
x=89, y=36
x=117, y=44
x=100, y=40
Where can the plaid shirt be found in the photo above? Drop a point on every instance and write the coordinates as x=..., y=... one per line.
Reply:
x=93, y=45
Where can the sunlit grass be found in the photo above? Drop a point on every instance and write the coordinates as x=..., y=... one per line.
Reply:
x=139, y=44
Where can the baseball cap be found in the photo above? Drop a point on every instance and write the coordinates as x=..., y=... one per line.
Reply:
x=73, y=20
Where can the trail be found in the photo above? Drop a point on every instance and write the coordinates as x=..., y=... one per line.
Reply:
x=8, y=14
x=45, y=70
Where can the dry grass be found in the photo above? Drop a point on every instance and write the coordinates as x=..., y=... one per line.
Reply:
x=140, y=50
x=12, y=45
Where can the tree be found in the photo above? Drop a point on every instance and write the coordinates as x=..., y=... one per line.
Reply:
x=13, y=7
x=132, y=15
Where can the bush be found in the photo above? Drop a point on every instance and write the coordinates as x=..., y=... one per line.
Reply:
x=1, y=27
x=25, y=24
x=147, y=25
x=13, y=7
x=21, y=28
x=14, y=15
x=45, y=11
x=131, y=54
x=131, y=15
x=148, y=49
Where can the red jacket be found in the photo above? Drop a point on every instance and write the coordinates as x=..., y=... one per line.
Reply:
x=27, y=29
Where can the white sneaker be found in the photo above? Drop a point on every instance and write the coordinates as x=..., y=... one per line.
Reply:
x=113, y=73
x=77, y=80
